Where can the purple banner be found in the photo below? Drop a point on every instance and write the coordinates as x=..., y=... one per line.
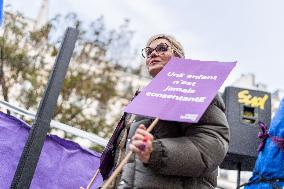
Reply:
x=62, y=163
x=182, y=91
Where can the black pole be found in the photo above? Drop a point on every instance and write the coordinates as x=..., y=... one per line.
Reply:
x=30, y=155
x=239, y=175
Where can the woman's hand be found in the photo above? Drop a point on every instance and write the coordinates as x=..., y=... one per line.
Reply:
x=142, y=144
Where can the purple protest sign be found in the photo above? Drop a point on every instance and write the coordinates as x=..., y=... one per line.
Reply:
x=182, y=91
x=62, y=163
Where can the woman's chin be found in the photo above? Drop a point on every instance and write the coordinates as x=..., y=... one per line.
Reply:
x=154, y=71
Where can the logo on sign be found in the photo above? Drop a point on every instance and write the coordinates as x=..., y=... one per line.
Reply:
x=253, y=101
x=191, y=117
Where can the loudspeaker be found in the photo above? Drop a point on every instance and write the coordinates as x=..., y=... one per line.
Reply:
x=244, y=109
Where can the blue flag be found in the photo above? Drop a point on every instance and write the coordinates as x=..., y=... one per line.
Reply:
x=269, y=167
x=1, y=12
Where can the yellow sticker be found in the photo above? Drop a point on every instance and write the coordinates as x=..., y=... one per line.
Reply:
x=253, y=101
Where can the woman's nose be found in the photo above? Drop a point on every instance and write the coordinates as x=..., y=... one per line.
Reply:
x=154, y=53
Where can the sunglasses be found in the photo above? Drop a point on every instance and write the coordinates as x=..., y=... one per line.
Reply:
x=161, y=48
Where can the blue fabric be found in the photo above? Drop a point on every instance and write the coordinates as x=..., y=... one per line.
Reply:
x=1, y=12
x=270, y=161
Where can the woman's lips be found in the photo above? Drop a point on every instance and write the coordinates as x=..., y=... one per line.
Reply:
x=152, y=62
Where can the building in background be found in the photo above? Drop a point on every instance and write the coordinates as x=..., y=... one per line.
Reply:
x=276, y=98
x=248, y=81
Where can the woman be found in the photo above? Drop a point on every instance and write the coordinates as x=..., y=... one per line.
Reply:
x=174, y=155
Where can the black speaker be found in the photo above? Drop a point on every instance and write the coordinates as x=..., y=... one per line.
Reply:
x=244, y=109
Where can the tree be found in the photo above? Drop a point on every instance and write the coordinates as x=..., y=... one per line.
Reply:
x=23, y=61
x=28, y=55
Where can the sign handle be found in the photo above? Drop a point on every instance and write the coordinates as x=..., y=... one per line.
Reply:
x=93, y=179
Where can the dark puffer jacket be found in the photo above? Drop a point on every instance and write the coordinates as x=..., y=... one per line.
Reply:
x=184, y=155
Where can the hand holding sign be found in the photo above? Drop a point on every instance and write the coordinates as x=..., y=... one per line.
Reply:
x=182, y=91
x=125, y=160
x=142, y=144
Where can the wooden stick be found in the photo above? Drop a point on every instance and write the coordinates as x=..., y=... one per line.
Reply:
x=97, y=172
x=125, y=160
x=153, y=124
x=93, y=179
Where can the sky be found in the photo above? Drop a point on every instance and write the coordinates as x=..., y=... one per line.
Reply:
x=250, y=32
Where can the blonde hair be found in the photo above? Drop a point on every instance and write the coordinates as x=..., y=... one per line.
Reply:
x=177, y=47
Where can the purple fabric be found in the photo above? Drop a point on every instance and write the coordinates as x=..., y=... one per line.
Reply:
x=62, y=163
x=279, y=141
x=107, y=157
x=182, y=90
x=263, y=135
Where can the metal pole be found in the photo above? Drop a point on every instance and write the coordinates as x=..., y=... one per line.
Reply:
x=30, y=155
x=239, y=175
